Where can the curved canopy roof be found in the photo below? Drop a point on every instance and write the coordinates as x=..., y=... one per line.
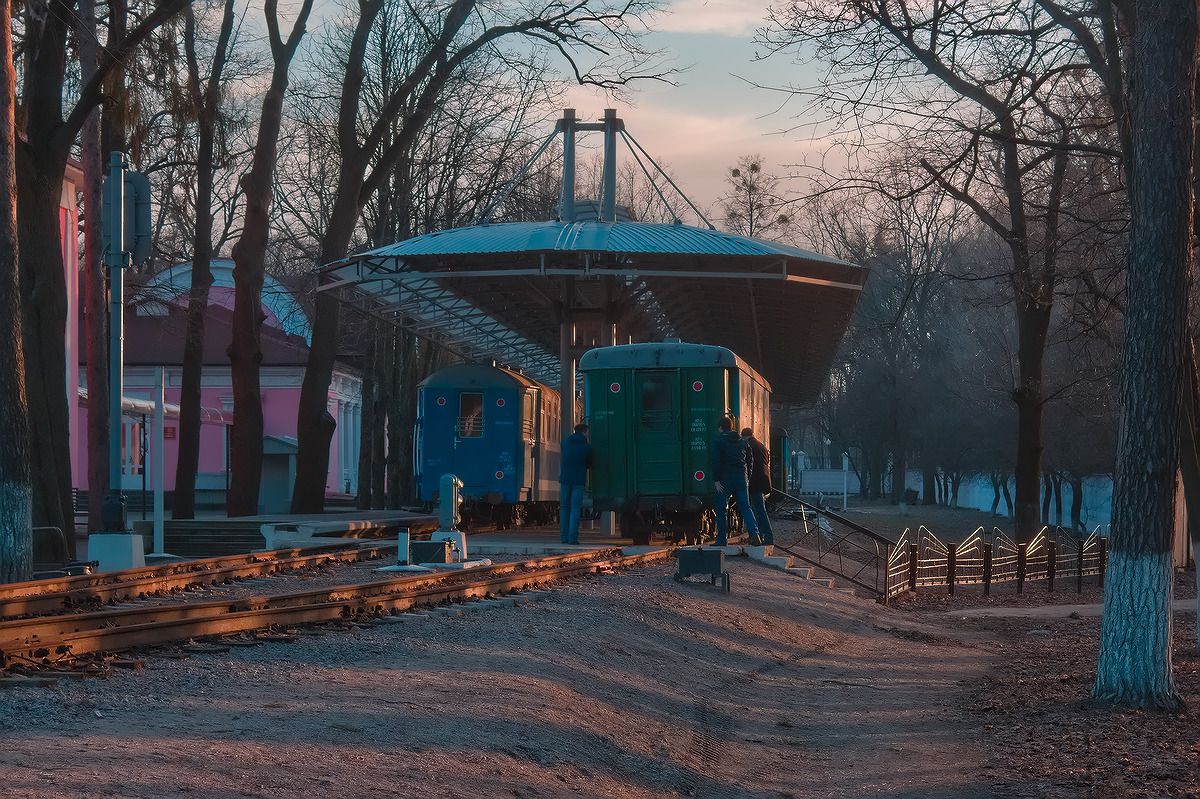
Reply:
x=594, y=236
x=782, y=309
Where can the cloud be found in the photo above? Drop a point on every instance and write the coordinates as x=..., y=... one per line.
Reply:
x=726, y=17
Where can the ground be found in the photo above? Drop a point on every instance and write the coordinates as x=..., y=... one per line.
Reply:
x=1047, y=740
x=948, y=524
x=627, y=685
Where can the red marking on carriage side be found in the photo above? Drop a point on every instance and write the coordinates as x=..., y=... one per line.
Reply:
x=697, y=386
x=615, y=388
x=699, y=475
x=499, y=475
x=500, y=402
x=441, y=400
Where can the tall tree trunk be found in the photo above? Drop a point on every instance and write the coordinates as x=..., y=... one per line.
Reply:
x=249, y=268
x=955, y=482
x=929, y=488
x=207, y=102
x=41, y=159
x=115, y=120
x=1058, y=516
x=366, y=432
x=383, y=402
x=1077, y=503
x=1189, y=461
x=1032, y=325
x=314, y=425
x=16, y=500
x=1008, y=500
x=44, y=318
x=396, y=419
x=95, y=289
x=995, y=492
x=899, y=473
x=1134, y=665
x=1047, y=495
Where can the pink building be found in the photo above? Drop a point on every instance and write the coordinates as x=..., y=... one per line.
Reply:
x=156, y=322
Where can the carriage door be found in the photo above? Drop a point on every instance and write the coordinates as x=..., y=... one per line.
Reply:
x=658, y=444
x=531, y=479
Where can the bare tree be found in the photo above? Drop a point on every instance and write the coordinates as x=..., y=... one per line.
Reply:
x=249, y=257
x=1134, y=666
x=50, y=131
x=95, y=315
x=1003, y=114
x=452, y=35
x=754, y=204
x=16, y=505
x=204, y=96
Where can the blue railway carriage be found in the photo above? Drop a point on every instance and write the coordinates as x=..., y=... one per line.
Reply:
x=498, y=431
x=653, y=411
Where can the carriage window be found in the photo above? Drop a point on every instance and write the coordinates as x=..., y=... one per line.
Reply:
x=470, y=415
x=657, y=404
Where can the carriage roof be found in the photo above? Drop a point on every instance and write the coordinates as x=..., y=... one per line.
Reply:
x=665, y=355
x=477, y=375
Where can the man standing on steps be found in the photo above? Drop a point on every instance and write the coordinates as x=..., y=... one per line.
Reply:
x=572, y=477
x=760, y=484
x=730, y=470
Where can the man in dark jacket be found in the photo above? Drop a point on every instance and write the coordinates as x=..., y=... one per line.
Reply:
x=760, y=484
x=572, y=477
x=730, y=470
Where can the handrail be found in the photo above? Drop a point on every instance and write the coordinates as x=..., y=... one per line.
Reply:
x=837, y=517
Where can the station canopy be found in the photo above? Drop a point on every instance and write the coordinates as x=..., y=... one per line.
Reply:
x=507, y=291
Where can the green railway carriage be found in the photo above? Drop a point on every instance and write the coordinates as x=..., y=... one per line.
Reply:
x=653, y=411
x=778, y=447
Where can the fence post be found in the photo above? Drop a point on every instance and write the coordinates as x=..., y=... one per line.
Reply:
x=914, y=556
x=1051, y=562
x=987, y=569
x=1021, y=548
x=951, y=553
x=1103, y=559
x=1079, y=566
x=887, y=573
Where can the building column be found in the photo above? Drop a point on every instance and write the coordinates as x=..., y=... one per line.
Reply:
x=344, y=444
x=355, y=442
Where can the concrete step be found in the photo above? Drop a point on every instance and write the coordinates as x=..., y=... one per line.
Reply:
x=846, y=591
x=827, y=582
x=778, y=561
x=801, y=571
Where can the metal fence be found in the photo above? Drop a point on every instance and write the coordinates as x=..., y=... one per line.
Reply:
x=1056, y=556
x=920, y=560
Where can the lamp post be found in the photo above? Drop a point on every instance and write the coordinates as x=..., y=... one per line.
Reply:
x=127, y=237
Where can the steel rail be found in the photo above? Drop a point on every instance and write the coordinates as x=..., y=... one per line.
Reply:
x=241, y=568
x=58, y=584
x=39, y=627
x=49, y=639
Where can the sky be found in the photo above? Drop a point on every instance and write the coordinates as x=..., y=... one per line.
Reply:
x=714, y=115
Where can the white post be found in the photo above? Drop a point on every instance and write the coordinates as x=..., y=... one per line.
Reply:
x=845, y=479
x=158, y=459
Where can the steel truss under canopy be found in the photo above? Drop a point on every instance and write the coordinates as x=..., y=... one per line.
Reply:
x=536, y=294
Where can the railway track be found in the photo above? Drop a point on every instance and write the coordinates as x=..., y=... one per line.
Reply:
x=53, y=640
x=68, y=594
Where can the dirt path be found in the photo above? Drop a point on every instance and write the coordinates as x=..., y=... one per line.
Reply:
x=1056, y=611
x=623, y=686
